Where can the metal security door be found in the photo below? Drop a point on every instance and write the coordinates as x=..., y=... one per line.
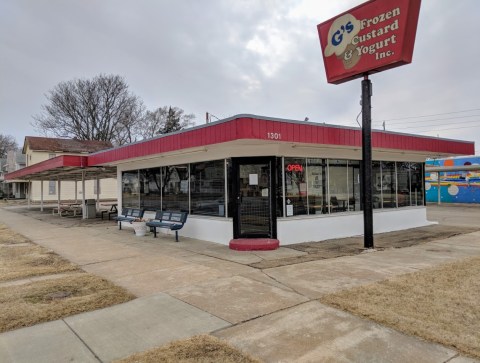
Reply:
x=254, y=199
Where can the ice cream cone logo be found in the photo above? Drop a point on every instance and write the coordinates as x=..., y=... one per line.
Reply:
x=340, y=36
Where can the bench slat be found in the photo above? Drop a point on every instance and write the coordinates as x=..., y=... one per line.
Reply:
x=167, y=219
x=129, y=215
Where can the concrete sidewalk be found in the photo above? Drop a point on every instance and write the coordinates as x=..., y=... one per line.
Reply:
x=196, y=287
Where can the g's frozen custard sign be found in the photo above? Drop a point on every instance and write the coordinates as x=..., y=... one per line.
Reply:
x=372, y=37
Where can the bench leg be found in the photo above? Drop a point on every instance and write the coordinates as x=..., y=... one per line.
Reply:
x=176, y=236
x=154, y=232
x=119, y=224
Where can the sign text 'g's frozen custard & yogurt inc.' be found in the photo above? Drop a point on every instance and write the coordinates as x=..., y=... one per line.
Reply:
x=375, y=36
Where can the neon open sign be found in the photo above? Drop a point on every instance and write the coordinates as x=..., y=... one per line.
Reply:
x=294, y=167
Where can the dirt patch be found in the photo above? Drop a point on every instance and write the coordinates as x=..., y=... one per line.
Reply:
x=198, y=349
x=438, y=304
x=354, y=245
x=48, y=300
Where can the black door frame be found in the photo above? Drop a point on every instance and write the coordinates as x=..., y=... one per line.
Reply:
x=236, y=162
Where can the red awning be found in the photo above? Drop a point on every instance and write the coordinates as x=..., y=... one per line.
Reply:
x=64, y=167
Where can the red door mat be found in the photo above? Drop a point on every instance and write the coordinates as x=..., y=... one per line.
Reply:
x=254, y=244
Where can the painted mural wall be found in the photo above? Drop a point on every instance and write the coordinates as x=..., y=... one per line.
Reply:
x=455, y=187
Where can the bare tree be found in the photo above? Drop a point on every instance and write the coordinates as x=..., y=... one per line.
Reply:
x=7, y=142
x=164, y=120
x=101, y=108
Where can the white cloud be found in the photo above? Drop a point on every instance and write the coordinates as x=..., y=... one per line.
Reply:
x=319, y=11
x=273, y=48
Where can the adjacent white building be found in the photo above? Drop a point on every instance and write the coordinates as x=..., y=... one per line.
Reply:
x=38, y=149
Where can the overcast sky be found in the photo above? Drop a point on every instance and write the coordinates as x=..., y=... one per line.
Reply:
x=237, y=56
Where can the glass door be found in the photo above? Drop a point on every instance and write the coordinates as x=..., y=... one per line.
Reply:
x=254, y=198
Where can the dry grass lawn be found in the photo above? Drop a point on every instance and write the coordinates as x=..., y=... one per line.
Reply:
x=20, y=258
x=41, y=301
x=198, y=349
x=27, y=260
x=7, y=236
x=25, y=303
x=440, y=304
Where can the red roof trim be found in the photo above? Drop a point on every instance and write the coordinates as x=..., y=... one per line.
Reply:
x=50, y=164
x=245, y=127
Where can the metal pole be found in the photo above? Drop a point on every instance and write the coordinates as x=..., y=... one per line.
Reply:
x=29, y=192
x=41, y=195
x=438, y=189
x=84, y=207
x=366, y=187
x=58, y=197
x=98, y=193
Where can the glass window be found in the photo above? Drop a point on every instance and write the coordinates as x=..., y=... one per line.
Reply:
x=377, y=185
x=389, y=184
x=150, y=189
x=175, y=188
x=338, y=185
x=96, y=186
x=353, y=185
x=317, y=186
x=295, y=187
x=130, y=189
x=207, y=188
x=52, y=187
x=403, y=178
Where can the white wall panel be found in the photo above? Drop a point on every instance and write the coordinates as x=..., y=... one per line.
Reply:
x=308, y=229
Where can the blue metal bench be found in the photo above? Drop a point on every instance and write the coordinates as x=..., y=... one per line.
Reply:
x=129, y=215
x=168, y=219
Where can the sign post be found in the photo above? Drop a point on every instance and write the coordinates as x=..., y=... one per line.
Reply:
x=372, y=37
x=366, y=184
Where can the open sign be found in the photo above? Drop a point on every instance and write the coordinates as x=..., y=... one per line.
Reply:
x=294, y=167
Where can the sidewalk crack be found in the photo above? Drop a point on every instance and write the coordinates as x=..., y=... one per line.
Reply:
x=285, y=285
x=84, y=343
x=451, y=358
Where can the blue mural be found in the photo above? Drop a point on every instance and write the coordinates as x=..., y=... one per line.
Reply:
x=455, y=187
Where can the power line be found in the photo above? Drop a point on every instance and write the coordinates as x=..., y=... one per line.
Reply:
x=433, y=126
x=452, y=128
x=432, y=120
x=436, y=114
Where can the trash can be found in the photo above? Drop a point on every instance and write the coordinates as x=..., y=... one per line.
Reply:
x=90, y=208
